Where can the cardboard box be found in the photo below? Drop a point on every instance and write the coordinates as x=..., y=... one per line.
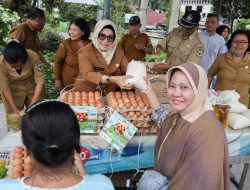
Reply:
x=159, y=86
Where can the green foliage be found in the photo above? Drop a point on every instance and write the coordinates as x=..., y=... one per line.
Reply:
x=50, y=92
x=232, y=9
x=7, y=20
x=49, y=38
x=156, y=58
x=49, y=4
x=21, y=6
x=243, y=24
x=69, y=11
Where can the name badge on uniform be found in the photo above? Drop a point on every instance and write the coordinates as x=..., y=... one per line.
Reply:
x=40, y=67
x=98, y=69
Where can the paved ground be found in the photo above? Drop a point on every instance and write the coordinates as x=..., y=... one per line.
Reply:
x=119, y=179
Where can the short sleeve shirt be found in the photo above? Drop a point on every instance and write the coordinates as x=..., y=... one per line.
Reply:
x=182, y=49
x=232, y=76
x=32, y=70
x=131, y=52
x=27, y=36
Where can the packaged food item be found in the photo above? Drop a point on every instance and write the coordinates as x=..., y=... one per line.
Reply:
x=4, y=155
x=138, y=74
x=19, y=164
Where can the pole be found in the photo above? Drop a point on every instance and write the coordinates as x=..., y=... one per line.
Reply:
x=107, y=9
x=174, y=14
x=143, y=14
x=219, y=11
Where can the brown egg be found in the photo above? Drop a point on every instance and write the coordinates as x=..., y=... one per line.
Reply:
x=18, y=149
x=17, y=162
x=27, y=167
x=128, y=105
x=17, y=155
x=99, y=105
x=17, y=175
x=121, y=105
x=141, y=104
x=91, y=94
x=134, y=104
x=17, y=168
x=130, y=93
x=142, y=123
x=145, y=114
x=97, y=93
x=125, y=100
x=111, y=93
x=138, y=114
x=27, y=173
x=135, y=122
x=131, y=113
x=85, y=103
x=138, y=98
x=114, y=104
x=148, y=105
x=27, y=160
x=98, y=101
x=118, y=95
x=125, y=114
x=91, y=100
x=92, y=104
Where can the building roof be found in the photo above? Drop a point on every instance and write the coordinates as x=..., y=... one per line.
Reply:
x=154, y=18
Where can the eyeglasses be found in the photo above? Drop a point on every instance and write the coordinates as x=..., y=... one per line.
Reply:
x=102, y=37
x=242, y=43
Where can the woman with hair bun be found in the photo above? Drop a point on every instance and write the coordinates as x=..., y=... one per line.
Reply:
x=51, y=134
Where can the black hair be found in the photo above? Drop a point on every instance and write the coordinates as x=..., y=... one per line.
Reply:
x=111, y=28
x=14, y=52
x=50, y=131
x=213, y=15
x=83, y=25
x=34, y=13
x=236, y=32
x=221, y=28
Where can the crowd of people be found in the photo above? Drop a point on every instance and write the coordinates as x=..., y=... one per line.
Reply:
x=191, y=150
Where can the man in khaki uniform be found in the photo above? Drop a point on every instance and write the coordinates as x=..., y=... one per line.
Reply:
x=21, y=81
x=136, y=44
x=26, y=33
x=182, y=44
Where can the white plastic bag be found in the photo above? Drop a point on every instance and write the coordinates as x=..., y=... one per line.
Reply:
x=137, y=69
x=238, y=121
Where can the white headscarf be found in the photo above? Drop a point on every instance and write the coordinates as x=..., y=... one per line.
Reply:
x=108, y=55
x=198, y=79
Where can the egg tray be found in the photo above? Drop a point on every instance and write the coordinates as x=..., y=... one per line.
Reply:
x=142, y=118
x=64, y=97
x=152, y=71
x=145, y=109
x=140, y=125
x=126, y=103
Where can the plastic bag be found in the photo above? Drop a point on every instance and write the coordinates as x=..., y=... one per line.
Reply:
x=137, y=69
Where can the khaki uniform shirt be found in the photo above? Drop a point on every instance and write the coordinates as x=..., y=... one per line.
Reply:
x=128, y=45
x=66, y=62
x=232, y=76
x=182, y=50
x=22, y=86
x=92, y=66
x=27, y=36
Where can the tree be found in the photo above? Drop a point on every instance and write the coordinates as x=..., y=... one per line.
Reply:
x=7, y=20
x=232, y=9
x=69, y=11
x=22, y=6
